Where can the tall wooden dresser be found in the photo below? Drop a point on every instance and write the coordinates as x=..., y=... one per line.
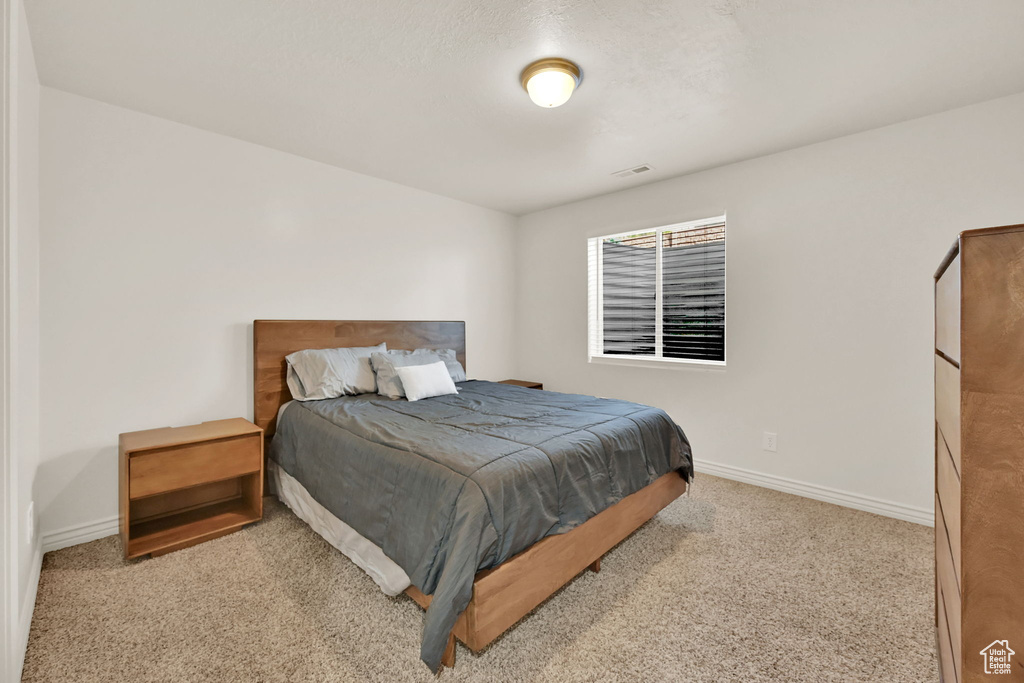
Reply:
x=979, y=457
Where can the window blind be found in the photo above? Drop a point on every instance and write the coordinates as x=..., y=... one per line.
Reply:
x=629, y=285
x=659, y=294
x=693, y=293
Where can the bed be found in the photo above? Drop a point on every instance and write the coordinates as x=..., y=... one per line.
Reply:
x=485, y=503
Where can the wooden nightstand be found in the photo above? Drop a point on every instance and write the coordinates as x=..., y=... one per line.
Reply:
x=522, y=383
x=184, y=485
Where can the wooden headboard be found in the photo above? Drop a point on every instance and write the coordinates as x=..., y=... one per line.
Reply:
x=272, y=340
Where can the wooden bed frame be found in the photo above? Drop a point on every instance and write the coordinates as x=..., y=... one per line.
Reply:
x=502, y=595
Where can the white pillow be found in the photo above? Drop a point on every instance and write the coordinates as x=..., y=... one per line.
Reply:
x=425, y=381
x=315, y=374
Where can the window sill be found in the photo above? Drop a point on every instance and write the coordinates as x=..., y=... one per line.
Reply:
x=661, y=363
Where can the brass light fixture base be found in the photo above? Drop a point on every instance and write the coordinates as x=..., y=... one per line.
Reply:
x=550, y=64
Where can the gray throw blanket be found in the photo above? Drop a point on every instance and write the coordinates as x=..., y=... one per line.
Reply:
x=451, y=485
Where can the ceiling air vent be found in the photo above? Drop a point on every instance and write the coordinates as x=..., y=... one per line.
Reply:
x=626, y=173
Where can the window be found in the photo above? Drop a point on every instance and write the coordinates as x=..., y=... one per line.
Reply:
x=659, y=294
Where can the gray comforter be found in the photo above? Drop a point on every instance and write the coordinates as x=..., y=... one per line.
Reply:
x=451, y=485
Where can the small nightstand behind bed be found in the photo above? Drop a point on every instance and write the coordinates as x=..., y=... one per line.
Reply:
x=523, y=383
x=180, y=486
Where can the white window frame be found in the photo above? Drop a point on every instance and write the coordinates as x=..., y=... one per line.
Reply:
x=595, y=302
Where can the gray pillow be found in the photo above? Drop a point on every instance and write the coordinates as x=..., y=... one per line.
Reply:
x=315, y=374
x=385, y=365
x=451, y=362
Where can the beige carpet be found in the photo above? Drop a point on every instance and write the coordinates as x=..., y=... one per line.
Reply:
x=735, y=583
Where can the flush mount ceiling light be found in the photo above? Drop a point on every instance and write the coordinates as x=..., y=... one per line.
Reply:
x=550, y=82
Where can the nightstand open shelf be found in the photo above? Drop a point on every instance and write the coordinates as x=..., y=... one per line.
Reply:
x=164, y=534
x=182, y=486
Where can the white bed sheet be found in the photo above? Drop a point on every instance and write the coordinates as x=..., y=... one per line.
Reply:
x=391, y=578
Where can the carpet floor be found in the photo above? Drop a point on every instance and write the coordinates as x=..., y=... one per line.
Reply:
x=735, y=583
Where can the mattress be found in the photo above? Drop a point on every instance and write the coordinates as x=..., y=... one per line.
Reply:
x=450, y=485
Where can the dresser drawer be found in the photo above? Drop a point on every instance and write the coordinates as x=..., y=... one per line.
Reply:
x=947, y=484
x=159, y=471
x=947, y=665
x=947, y=311
x=946, y=580
x=947, y=405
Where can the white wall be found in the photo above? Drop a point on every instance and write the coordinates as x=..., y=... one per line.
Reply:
x=160, y=245
x=25, y=248
x=22, y=290
x=831, y=251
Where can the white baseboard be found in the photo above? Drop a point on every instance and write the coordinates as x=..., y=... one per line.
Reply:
x=28, y=607
x=857, y=501
x=79, y=533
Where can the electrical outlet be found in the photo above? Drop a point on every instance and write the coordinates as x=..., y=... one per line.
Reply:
x=770, y=442
x=30, y=522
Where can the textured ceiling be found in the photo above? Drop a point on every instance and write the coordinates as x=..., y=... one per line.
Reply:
x=427, y=93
